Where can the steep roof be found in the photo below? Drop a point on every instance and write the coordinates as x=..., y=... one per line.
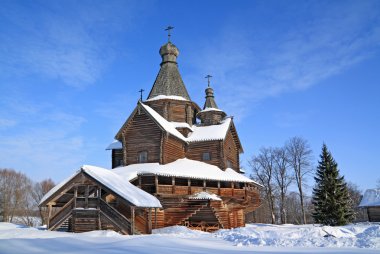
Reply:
x=113, y=182
x=198, y=133
x=169, y=81
x=185, y=168
x=371, y=197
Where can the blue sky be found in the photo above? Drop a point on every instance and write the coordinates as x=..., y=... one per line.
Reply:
x=70, y=72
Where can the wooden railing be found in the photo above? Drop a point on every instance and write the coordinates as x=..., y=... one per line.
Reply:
x=61, y=215
x=116, y=218
x=224, y=192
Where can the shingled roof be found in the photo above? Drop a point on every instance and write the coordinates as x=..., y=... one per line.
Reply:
x=169, y=81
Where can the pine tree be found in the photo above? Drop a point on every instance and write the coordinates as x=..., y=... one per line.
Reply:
x=331, y=198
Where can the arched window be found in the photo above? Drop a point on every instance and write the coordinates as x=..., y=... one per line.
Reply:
x=142, y=157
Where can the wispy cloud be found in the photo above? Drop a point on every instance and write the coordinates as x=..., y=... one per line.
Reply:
x=329, y=41
x=68, y=41
x=40, y=138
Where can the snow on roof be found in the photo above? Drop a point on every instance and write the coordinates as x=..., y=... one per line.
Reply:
x=371, y=197
x=115, y=183
x=199, y=133
x=205, y=195
x=210, y=109
x=57, y=187
x=211, y=132
x=163, y=122
x=185, y=168
x=181, y=125
x=116, y=144
x=171, y=97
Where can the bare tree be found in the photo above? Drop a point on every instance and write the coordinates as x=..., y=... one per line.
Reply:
x=299, y=156
x=39, y=190
x=263, y=170
x=15, y=192
x=283, y=179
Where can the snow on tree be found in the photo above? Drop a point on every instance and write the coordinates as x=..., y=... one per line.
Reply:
x=331, y=199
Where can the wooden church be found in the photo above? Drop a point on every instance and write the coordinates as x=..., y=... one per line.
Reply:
x=173, y=163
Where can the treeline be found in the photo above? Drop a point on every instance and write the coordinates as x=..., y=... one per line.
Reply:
x=19, y=198
x=287, y=174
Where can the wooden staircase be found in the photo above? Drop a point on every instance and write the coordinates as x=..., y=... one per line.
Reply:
x=61, y=216
x=118, y=220
x=177, y=212
x=221, y=213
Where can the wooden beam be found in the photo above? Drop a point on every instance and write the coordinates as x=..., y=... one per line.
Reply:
x=173, y=185
x=156, y=182
x=75, y=196
x=49, y=215
x=155, y=218
x=132, y=220
x=149, y=220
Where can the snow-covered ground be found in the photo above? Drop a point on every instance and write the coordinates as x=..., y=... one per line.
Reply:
x=257, y=238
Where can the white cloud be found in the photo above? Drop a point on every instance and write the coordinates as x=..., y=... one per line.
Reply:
x=68, y=42
x=247, y=70
x=6, y=123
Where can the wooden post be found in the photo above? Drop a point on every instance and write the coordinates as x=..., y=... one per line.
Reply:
x=49, y=215
x=204, y=185
x=189, y=186
x=173, y=185
x=99, y=191
x=139, y=179
x=155, y=218
x=232, y=186
x=75, y=196
x=219, y=188
x=156, y=182
x=149, y=220
x=86, y=194
x=132, y=220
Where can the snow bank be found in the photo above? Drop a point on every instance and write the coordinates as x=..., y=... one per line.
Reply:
x=258, y=238
x=179, y=231
x=303, y=236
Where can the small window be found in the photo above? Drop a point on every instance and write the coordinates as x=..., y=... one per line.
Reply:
x=229, y=164
x=206, y=156
x=143, y=157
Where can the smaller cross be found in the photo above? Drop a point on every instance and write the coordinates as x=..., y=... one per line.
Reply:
x=169, y=28
x=208, y=79
x=141, y=91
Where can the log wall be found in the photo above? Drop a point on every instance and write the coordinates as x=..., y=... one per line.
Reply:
x=174, y=111
x=374, y=214
x=173, y=149
x=142, y=134
x=231, y=152
x=117, y=157
x=195, y=152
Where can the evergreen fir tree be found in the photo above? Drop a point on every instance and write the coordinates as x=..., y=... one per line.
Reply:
x=331, y=198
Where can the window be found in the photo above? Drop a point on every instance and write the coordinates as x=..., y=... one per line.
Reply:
x=206, y=156
x=143, y=157
x=229, y=164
